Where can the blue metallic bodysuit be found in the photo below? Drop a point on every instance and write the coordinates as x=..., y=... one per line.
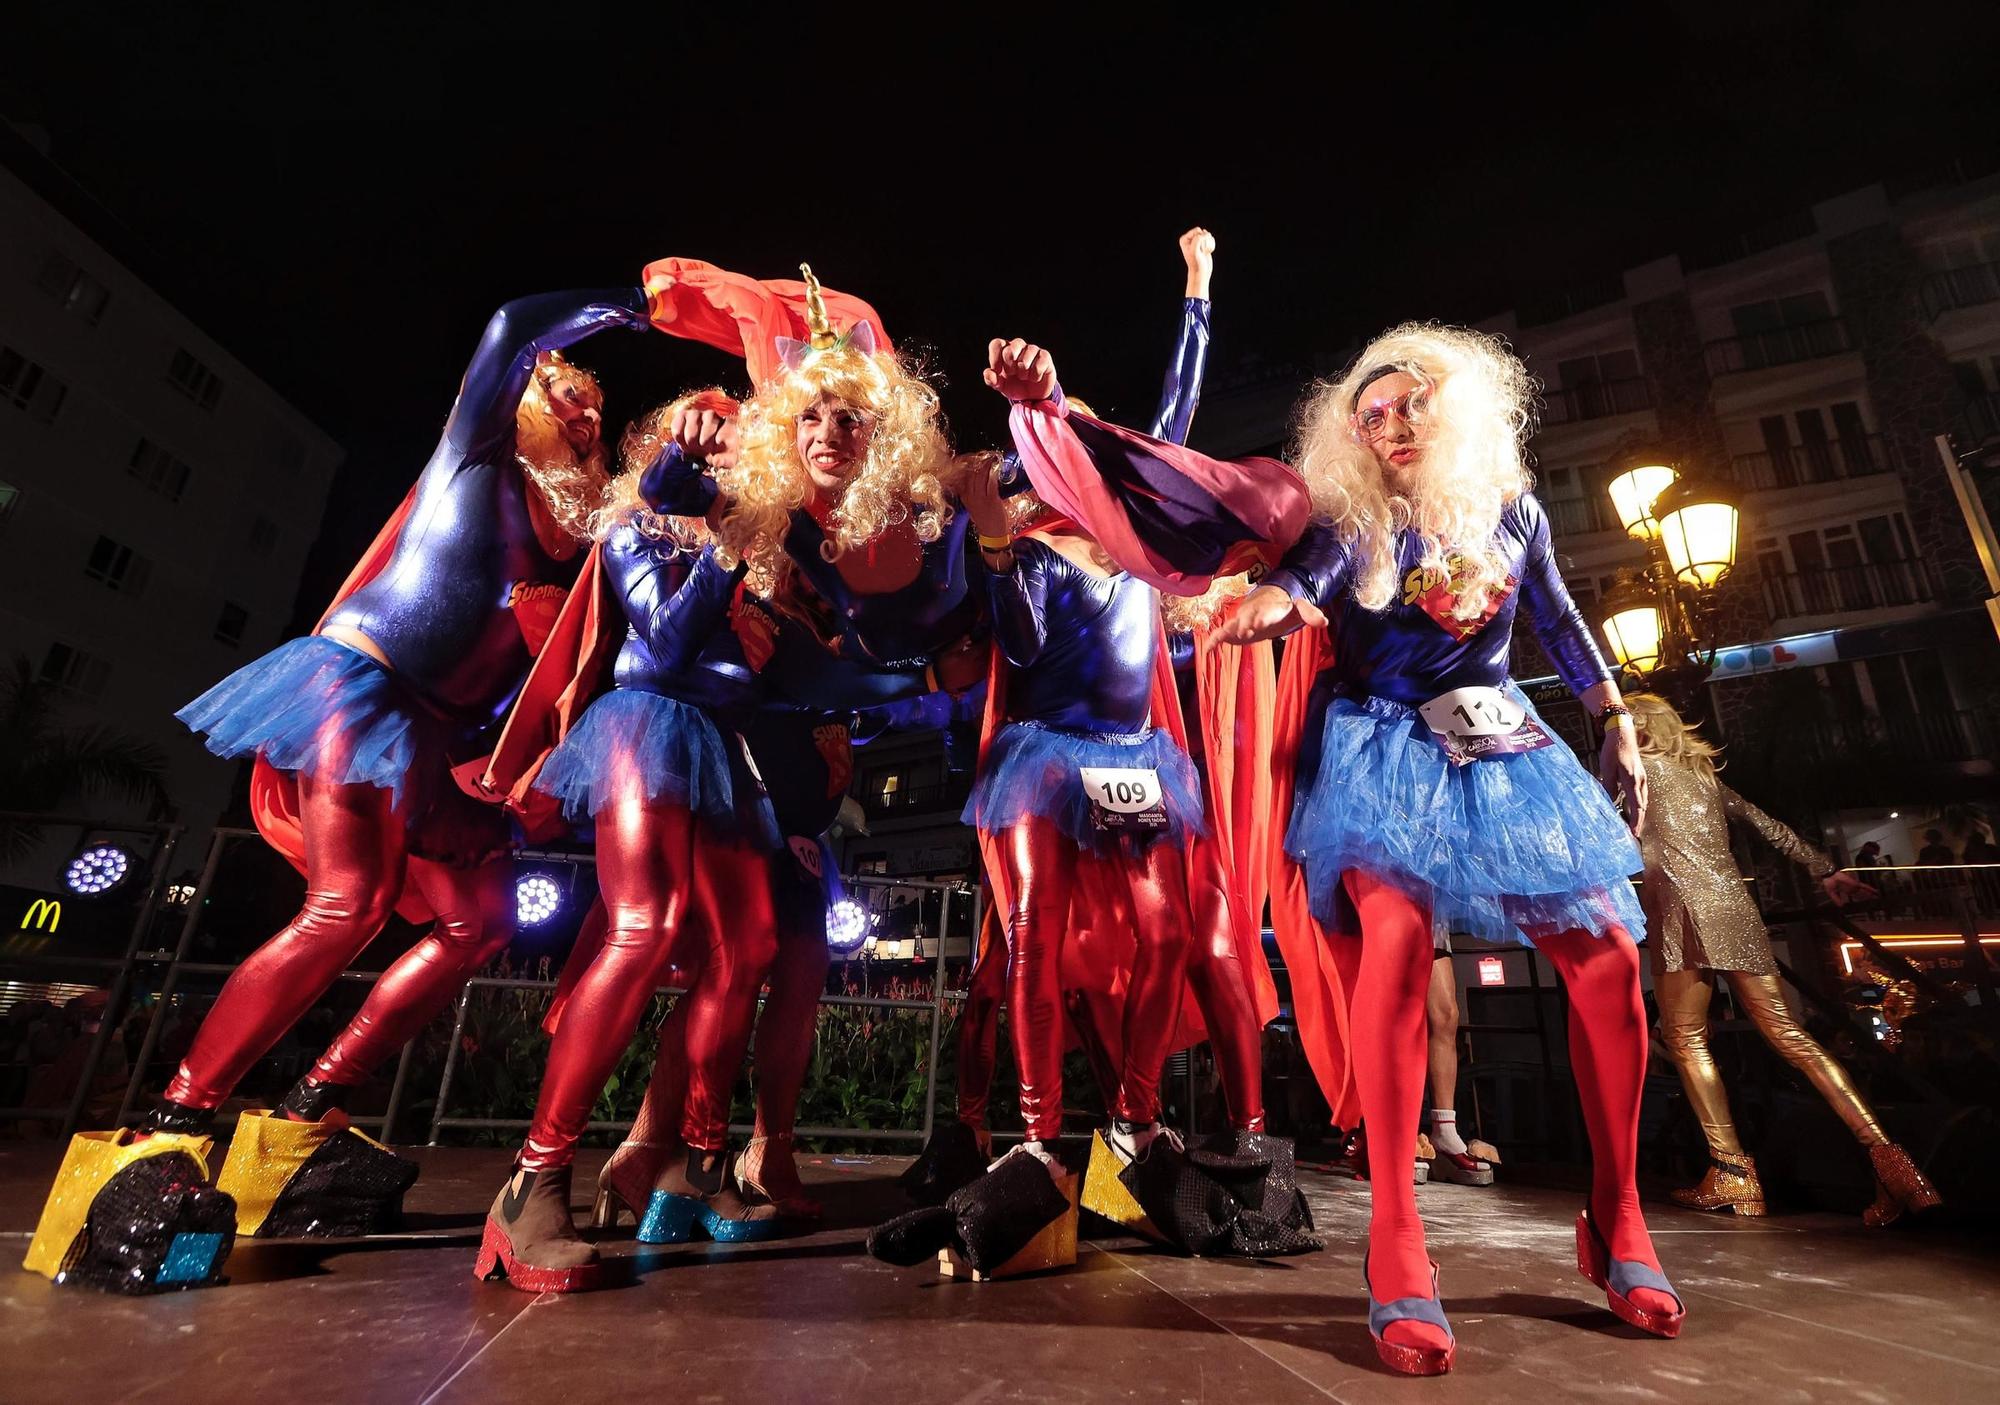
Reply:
x=1403, y=654
x=442, y=610
x=1082, y=645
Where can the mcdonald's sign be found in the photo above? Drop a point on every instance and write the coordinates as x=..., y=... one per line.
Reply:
x=43, y=914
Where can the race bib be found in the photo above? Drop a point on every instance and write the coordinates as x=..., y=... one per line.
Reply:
x=1123, y=798
x=1472, y=724
x=806, y=851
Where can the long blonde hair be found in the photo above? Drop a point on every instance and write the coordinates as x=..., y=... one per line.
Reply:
x=904, y=475
x=573, y=488
x=1481, y=412
x=1663, y=732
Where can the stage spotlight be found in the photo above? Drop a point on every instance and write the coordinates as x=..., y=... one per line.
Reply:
x=97, y=870
x=537, y=898
x=846, y=925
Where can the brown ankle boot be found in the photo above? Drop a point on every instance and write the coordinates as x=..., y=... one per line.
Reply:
x=1899, y=1186
x=1731, y=1184
x=530, y=1239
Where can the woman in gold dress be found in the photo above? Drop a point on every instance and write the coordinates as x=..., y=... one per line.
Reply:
x=1702, y=924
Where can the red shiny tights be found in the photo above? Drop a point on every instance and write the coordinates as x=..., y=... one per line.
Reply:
x=1607, y=1037
x=979, y=1022
x=656, y=864
x=357, y=861
x=1043, y=869
x=1228, y=1006
x=783, y=1047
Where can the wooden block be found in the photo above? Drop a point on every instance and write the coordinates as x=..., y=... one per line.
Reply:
x=1053, y=1247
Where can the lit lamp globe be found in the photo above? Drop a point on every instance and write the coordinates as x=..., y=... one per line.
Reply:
x=1697, y=526
x=1633, y=627
x=1634, y=491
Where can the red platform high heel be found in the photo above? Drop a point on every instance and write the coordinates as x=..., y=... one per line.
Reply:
x=1618, y=1277
x=1403, y=1359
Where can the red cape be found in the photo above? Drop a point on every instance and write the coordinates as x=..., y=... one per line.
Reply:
x=1322, y=971
x=742, y=315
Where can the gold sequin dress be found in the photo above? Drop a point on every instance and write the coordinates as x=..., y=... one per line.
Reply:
x=1698, y=913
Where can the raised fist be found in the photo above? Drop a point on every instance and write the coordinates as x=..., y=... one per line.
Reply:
x=1019, y=370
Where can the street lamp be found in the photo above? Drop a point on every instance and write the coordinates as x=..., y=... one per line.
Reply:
x=1698, y=524
x=1633, y=624
x=1657, y=621
x=1634, y=490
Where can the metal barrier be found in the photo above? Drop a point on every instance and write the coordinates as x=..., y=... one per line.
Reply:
x=169, y=969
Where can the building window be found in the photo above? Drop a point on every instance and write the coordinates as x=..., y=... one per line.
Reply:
x=73, y=671
x=117, y=566
x=263, y=537
x=231, y=623
x=194, y=380
x=159, y=470
x=30, y=387
x=79, y=293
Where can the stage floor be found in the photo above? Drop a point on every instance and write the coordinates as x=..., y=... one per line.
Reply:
x=1804, y=1307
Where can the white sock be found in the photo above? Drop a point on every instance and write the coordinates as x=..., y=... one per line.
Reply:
x=1132, y=1145
x=1444, y=1131
x=1041, y=1153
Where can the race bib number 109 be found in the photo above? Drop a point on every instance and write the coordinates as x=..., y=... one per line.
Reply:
x=1123, y=798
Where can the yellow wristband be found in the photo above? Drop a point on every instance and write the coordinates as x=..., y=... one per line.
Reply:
x=987, y=543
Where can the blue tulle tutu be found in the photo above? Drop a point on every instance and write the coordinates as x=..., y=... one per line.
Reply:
x=1032, y=770
x=280, y=706
x=1502, y=848
x=682, y=757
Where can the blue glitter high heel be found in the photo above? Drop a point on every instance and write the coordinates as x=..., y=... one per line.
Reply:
x=1410, y=1360
x=703, y=1194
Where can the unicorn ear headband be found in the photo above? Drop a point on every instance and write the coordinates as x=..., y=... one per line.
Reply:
x=792, y=354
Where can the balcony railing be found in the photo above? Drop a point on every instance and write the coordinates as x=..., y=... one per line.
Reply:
x=1593, y=400
x=1781, y=346
x=1570, y=516
x=1834, y=590
x=1949, y=288
x=1936, y=737
x=1857, y=456
x=916, y=799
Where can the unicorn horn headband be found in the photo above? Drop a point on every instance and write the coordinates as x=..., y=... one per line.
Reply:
x=820, y=335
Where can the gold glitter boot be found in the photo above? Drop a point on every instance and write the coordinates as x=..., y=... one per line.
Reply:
x=1731, y=1184
x=1899, y=1186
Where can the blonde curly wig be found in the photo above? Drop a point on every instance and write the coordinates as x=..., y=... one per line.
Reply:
x=905, y=475
x=1481, y=412
x=573, y=488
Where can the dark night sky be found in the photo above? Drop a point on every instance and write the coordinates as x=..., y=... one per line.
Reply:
x=343, y=204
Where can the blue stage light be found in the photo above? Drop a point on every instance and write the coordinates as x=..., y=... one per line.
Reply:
x=537, y=898
x=96, y=870
x=846, y=925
